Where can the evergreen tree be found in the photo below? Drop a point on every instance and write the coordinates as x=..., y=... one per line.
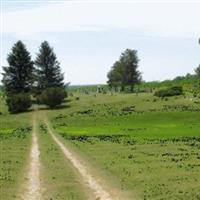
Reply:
x=48, y=68
x=18, y=76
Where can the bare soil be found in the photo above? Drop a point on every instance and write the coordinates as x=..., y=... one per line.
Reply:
x=32, y=186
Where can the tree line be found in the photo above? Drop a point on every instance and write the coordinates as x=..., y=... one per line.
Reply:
x=42, y=79
x=24, y=78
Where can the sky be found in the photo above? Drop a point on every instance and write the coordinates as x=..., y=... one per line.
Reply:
x=89, y=36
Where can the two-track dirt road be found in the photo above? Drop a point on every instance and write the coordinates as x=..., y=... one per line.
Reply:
x=33, y=187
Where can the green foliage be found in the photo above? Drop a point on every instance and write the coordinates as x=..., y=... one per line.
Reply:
x=18, y=76
x=48, y=68
x=197, y=71
x=52, y=97
x=173, y=91
x=115, y=76
x=18, y=102
x=125, y=71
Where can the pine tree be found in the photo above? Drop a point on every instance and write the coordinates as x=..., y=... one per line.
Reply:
x=18, y=76
x=48, y=68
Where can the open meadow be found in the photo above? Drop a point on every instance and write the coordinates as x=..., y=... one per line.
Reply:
x=141, y=146
x=99, y=100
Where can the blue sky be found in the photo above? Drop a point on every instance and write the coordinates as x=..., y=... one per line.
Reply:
x=89, y=36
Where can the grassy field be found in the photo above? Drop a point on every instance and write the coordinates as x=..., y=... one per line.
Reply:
x=142, y=145
x=15, y=141
x=148, y=147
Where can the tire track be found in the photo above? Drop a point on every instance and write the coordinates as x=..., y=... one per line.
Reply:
x=33, y=187
x=92, y=183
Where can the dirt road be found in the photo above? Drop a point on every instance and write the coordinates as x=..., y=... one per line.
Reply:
x=99, y=192
x=32, y=186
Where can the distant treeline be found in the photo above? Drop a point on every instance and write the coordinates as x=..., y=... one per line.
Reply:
x=24, y=77
x=189, y=80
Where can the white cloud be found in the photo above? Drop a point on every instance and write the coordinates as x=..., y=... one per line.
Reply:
x=87, y=57
x=166, y=19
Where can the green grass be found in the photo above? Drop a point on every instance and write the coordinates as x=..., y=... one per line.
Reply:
x=149, y=169
x=146, y=146
x=15, y=139
x=59, y=179
x=142, y=116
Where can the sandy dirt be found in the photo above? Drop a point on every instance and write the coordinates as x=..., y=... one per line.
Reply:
x=99, y=192
x=32, y=189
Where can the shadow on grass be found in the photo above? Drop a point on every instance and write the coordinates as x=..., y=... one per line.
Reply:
x=20, y=112
x=67, y=100
x=41, y=107
x=56, y=108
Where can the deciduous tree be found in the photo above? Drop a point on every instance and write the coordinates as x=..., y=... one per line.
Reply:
x=125, y=72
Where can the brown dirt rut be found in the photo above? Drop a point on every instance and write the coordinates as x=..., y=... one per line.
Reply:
x=99, y=192
x=32, y=188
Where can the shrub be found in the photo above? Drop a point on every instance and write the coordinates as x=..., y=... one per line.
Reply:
x=52, y=97
x=18, y=102
x=173, y=91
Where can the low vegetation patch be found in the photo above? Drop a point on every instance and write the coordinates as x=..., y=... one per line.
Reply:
x=52, y=97
x=125, y=139
x=18, y=102
x=16, y=133
x=173, y=91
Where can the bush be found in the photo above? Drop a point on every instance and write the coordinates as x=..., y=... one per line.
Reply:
x=77, y=98
x=52, y=97
x=173, y=91
x=18, y=102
